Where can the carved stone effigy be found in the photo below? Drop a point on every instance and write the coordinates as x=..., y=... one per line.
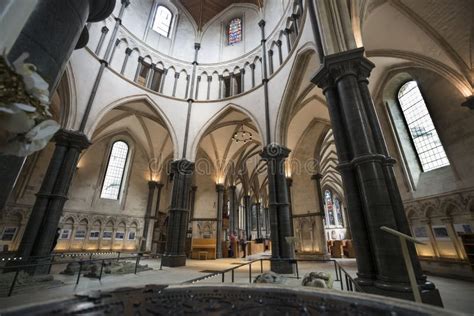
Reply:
x=229, y=300
x=318, y=279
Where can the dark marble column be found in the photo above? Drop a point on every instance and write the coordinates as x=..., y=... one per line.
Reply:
x=252, y=68
x=371, y=191
x=128, y=52
x=267, y=221
x=156, y=215
x=174, y=255
x=320, y=202
x=233, y=212
x=220, y=208
x=280, y=220
x=289, y=182
x=242, y=80
x=49, y=36
x=288, y=41
x=44, y=219
x=148, y=216
x=280, y=53
x=247, y=217
x=259, y=220
x=104, y=32
x=192, y=201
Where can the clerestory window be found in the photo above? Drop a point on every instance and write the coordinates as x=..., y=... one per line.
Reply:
x=423, y=133
x=162, y=21
x=115, y=171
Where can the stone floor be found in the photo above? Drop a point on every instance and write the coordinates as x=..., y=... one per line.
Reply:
x=457, y=295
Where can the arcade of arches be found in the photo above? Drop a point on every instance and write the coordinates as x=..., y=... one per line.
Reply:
x=191, y=125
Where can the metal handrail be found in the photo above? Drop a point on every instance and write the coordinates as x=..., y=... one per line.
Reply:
x=351, y=284
x=81, y=262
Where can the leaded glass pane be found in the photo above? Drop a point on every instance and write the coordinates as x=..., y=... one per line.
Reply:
x=234, y=31
x=115, y=169
x=422, y=131
x=162, y=22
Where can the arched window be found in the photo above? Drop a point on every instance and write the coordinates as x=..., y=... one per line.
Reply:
x=329, y=208
x=162, y=22
x=234, y=31
x=115, y=171
x=427, y=144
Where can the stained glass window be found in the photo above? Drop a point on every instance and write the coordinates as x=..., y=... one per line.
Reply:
x=329, y=207
x=162, y=22
x=337, y=208
x=234, y=31
x=422, y=131
x=115, y=170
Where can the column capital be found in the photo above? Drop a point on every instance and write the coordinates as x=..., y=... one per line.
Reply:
x=289, y=181
x=151, y=185
x=100, y=9
x=270, y=52
x=194, y=188
x=337, y=66
x=176, y=75
x=261, y=23
x=252, y=66
x=197, y=46
x=221, y=77
x=275, y=151
x=128, y=51
x=182, y=166
x=469, y=103
x=104, y=29
x=278, y=43
x=72, y=139
x=232, y=187
x=209, y=78
x=242, y=71
x=219, y=187
x=158, y=185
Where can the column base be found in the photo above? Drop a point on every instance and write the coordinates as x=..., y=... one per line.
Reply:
x=173, y=261
x=429, y=294
x=282, y=266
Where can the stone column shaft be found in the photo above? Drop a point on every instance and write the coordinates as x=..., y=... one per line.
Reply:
x=220, y=207
x=247, y=217
x=319, y=193
x=177, y=223
x=51, y=33
x=149, y=205
x=280, y=220
x=233, y=212
x=371, y=192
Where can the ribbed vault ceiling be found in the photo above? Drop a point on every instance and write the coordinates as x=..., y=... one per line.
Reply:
x=204, y=10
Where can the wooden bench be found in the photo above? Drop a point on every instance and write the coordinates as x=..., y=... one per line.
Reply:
x=201, y=245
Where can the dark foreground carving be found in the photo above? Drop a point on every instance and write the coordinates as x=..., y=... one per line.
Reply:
x=229, y=300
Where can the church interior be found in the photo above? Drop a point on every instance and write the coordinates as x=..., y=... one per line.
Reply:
x=296, y=157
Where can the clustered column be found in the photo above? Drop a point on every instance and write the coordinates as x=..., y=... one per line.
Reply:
x=280, y=221
x=370, y=189
x=234, y=213
x=321, y=214
x=175, y=255
x=47, y=210
x=53, y=30
x=149, y=205
x=220, y=208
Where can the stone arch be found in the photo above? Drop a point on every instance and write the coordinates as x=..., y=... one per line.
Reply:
x=289, y=99
x=135, y=98
x=221, y=113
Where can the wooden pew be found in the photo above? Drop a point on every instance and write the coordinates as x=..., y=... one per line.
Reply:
x=203, y=245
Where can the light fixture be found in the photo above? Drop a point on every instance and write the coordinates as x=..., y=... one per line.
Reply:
x=242, y=135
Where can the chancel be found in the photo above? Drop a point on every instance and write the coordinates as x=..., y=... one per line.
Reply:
x=212, y=156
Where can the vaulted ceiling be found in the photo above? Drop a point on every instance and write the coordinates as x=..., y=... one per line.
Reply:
x=204, y=10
